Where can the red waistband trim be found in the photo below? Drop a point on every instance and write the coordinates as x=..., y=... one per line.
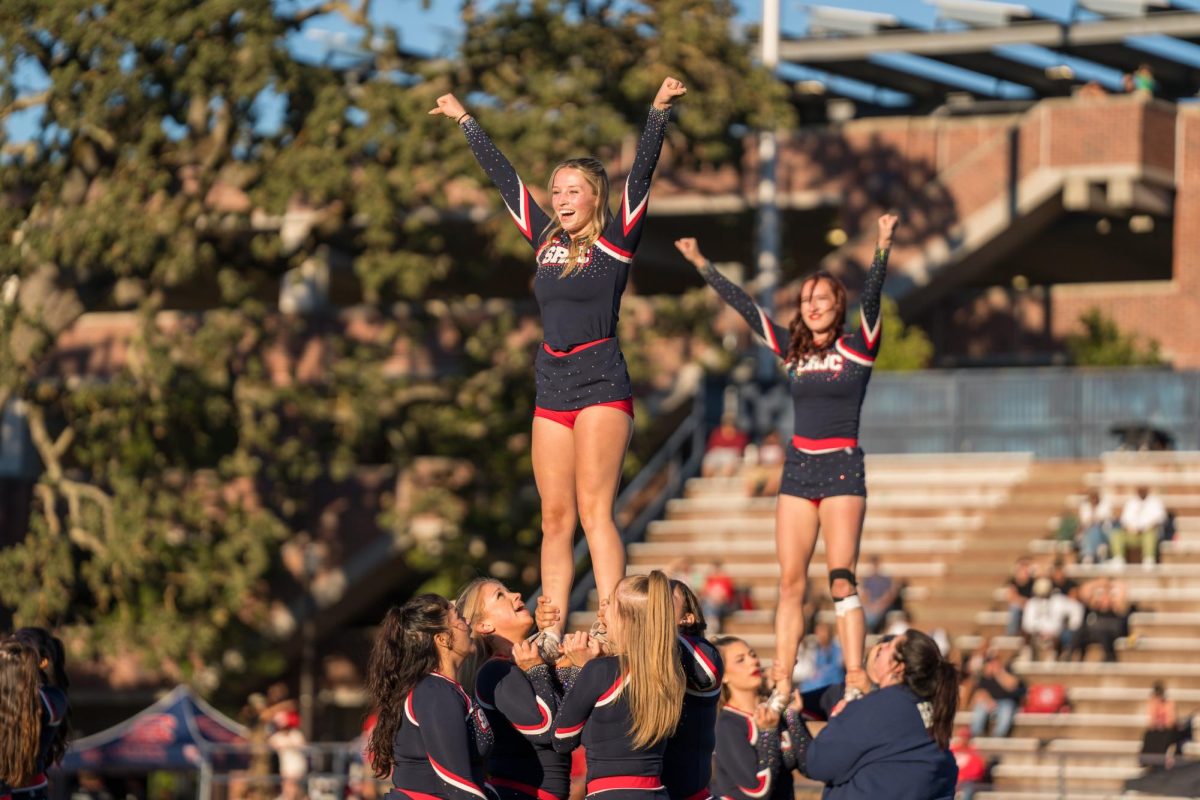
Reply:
x=703, y=794
x=575, y=349
x=623, y=782
x=523, y=788
x=822, y=445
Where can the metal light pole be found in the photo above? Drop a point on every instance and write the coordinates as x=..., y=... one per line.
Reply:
x=768, y=210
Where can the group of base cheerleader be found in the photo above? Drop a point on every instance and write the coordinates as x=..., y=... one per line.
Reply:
x=469, y=708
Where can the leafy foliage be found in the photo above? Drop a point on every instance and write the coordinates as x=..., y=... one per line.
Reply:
x=184, y=451
x=1102, y=344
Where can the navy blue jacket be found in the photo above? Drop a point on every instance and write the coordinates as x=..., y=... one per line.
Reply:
x=879, y=747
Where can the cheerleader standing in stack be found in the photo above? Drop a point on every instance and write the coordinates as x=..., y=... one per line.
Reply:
x=517, y=692
x=622, y=708
x=430, y=738
x=824, y=480
x=584, y=408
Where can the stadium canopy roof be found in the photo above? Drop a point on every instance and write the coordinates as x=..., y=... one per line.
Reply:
x=988, y=51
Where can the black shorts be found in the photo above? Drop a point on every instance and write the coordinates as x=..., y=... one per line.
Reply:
x=815, y=477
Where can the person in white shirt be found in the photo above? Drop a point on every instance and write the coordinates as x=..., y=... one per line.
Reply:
x=1050, y=618
x=1142, y=521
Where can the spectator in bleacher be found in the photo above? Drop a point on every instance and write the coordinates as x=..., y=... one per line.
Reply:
x=1106, y=619
x=766, y=468
x=880, y=594
x=1019, y=590
x=1050, y=619
x=1144, y=81
x=1095, y=515
x=289, y=743
x=1142, y=521
x=1061, y=582
x=717, y=596
x=819, y=662
x=997, y=696
x=726, y=445
x=1162, y=736
x=972, y=767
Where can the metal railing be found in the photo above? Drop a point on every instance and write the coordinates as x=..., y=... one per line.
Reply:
x=1050, y=412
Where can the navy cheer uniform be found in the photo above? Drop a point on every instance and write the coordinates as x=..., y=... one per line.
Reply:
x=520, y=707
x=53, y=710
x=687, y=762
x=824, y=459
x=878, y=746
x=752, y=763
x=596, y=714
x=440, y=747
x=580, y=363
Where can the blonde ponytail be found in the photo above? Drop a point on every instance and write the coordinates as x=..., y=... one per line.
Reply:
x=655, y=683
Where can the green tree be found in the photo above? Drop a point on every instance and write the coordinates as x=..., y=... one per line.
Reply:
x=905, y=347
x=1102, y=344
x=159, y=187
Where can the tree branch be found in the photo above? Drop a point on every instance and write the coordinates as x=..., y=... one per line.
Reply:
x=22, y=103
x=75, y=492
x=354, y=16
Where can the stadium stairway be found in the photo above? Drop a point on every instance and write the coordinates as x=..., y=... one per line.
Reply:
x=951, y=527
x=1090, y=751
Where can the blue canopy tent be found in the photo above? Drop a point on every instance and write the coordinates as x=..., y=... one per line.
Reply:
x=180, y=732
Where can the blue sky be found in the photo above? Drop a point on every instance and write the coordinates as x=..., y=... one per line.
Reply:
x=436, y=31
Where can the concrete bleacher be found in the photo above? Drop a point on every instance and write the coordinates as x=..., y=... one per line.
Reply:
x=950, y=527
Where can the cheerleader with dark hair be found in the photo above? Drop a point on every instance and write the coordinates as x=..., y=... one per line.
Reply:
x=754, y=758
x=824, y=481
x=429, y=737
x=32, y=712
x=895, y=741
x=687, y=762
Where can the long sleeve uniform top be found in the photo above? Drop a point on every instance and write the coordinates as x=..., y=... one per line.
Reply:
x=878, y=746
x=585, y=306
x=520, y=706
x=595, y=713
x=442, y=743
x=687, y=762
x=580, y=363
x=827, y=387
x=752, y=763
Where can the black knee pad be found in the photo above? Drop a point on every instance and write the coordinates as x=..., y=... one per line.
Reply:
x=843, y=574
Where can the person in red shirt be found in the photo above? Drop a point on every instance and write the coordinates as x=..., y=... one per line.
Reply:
x=717, y=596
x=725, y=448
x=972, y=768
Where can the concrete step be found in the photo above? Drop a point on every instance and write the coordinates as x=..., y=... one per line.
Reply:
x=1109, y=675
x=894, y=551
